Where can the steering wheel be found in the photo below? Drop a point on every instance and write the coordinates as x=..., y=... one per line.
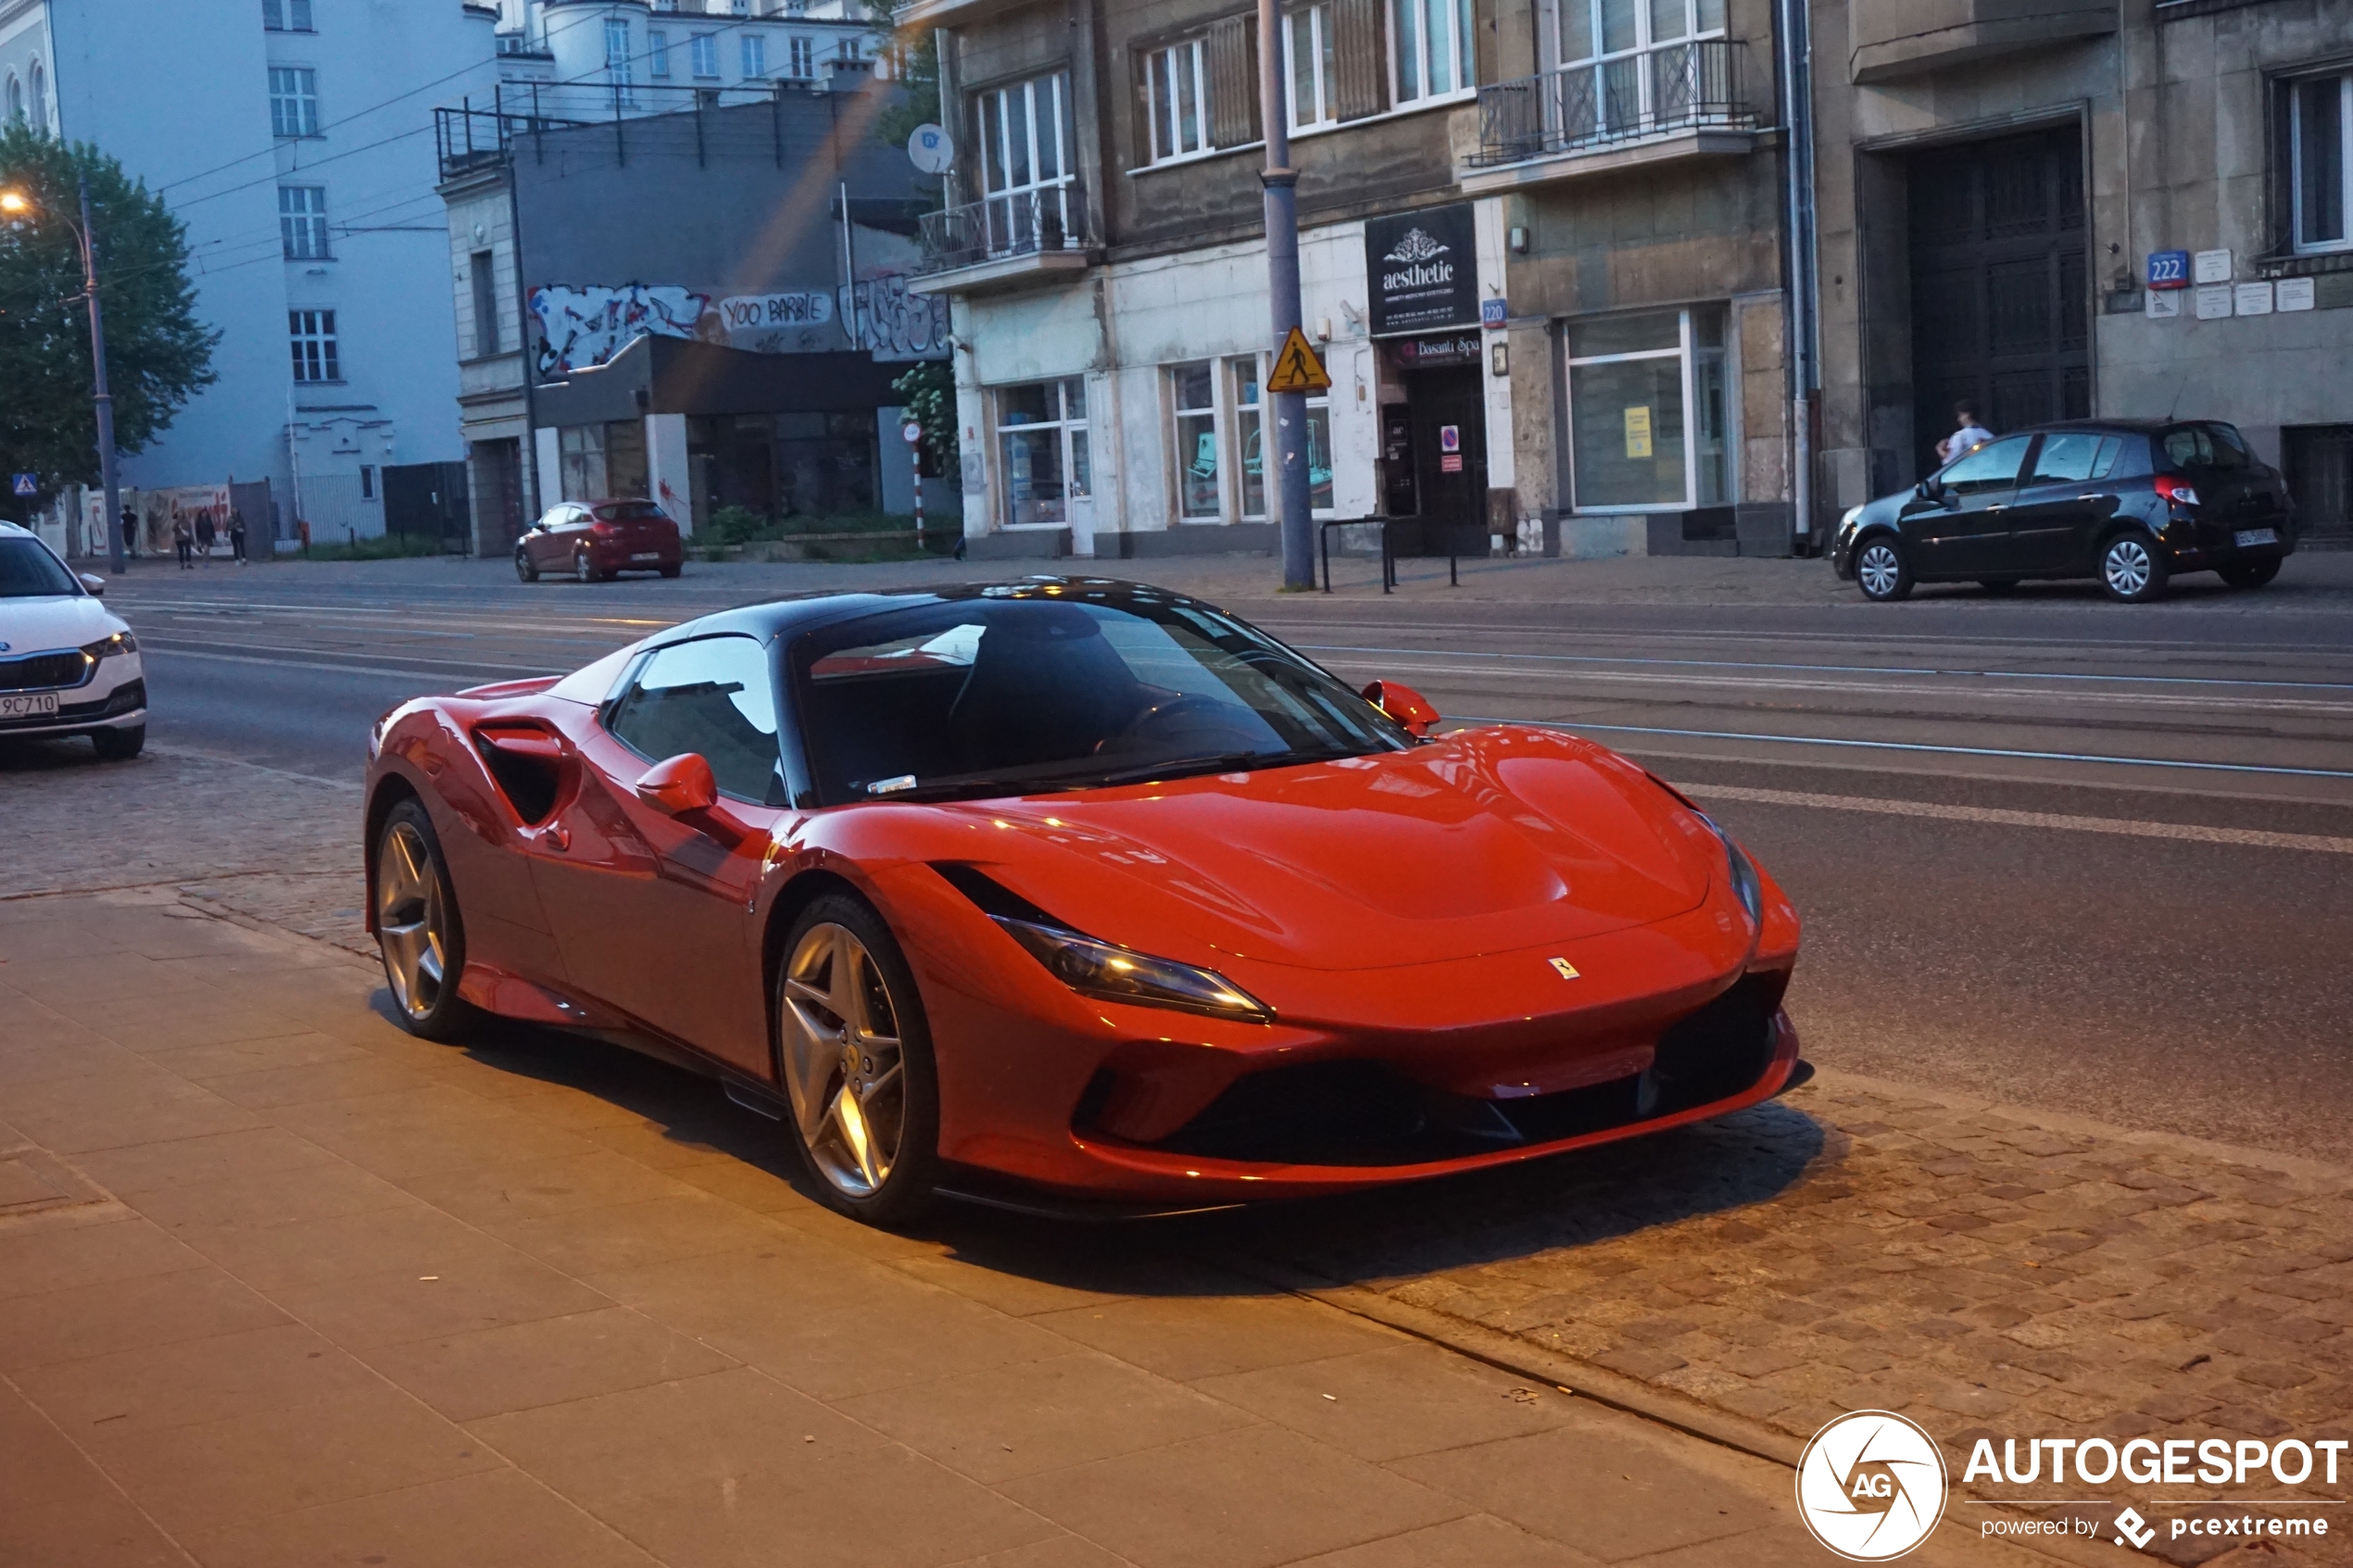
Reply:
x=1160, y=713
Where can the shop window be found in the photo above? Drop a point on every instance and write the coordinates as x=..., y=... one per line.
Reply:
x=2319, y=155
x=1042, y=456
x=1308, y=53
x=1649, y=411
x=1026, y=168
x=1177, y=100
x=1192, y=396
x=1435, y=57
x=580, y=451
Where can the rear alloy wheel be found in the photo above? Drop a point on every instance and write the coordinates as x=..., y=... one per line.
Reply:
x=2250, y=573
x=417, y=927
x=120, y=746
x=2131, y=569
x=855, y=1056
x=524, y=568
x=1881, y=571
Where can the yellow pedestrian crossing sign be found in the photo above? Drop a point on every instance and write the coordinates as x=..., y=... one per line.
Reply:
x=1296, y=367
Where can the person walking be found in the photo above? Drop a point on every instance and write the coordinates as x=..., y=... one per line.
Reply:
x=1968, y=438
x=184, y=540
x=237, y=535
x=131, y=532
x=205, y=535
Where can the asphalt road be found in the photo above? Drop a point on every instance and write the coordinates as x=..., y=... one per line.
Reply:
x=2091, y=858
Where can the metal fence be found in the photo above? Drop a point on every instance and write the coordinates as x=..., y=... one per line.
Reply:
x=1049, y=218
x=473, y=136
x=1674, y=87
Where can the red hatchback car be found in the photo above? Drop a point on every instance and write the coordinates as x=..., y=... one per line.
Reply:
x=595, y=540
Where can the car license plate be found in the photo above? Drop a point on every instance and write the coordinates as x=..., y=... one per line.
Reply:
x=656, y=555
x=2247, y=537
x=28, y=705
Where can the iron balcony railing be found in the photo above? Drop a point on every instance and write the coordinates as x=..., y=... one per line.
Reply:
x=1592, y=104
x=1042, y=220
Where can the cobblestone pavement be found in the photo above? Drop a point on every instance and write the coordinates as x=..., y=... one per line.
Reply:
x=1857, y=1243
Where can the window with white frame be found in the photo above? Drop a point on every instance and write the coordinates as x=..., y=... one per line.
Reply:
x=16, y=100
x=1648, y=410
x=293, y=101
x=704, y=48
x=617, y=62
x=286, y=16
x=302, y=222
x=313, y=336
x=1176, y=99
x=1255, y=453
x=1308, y=56
x=1043, y=463
x=1433, y=49
x=2319, y=156
x=851, y=51
x=1193, y=401
x=755, y=57
x=656, y=52
x=1026, y=166
x=802, y=52
x=1624, y=65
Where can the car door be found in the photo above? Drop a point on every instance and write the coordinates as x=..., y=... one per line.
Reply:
x=648, y=909
x=2062, y=501
x=1961, y=526
x=537, y=541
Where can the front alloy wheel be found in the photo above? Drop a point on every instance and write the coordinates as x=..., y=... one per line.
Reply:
x=524, y=568
x=854, y=1056
x=417, y=927
x=2131, y=569
x=1879, y=570
x=582, y=568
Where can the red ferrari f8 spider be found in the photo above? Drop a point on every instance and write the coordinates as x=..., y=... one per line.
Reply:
x=1068, y=892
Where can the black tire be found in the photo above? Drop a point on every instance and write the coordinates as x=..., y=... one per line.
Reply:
x=433, y=1010
x=1999, y=586
x=523, y=567
x=2250, y=573
x=807, y=1028
x=670, y=571
x=1881, y=570
x=120, y=746
x=2132, y=568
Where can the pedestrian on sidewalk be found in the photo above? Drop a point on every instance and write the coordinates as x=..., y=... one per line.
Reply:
x=131, y=532
x=1968, y=438
x=237, y=535
x=205, y=535
x=184, y=540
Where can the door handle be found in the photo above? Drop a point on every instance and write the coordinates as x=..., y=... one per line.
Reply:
x=1997, y=507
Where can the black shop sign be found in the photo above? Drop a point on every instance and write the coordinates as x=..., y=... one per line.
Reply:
x=1422, y=268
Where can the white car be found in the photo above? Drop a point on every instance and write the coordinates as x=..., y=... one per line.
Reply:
x=68, y=665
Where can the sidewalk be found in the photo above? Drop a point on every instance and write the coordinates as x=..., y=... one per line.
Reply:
x=281, y=1286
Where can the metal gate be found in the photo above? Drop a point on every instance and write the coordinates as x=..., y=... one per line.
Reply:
x=2001, y=298
x=428, y=500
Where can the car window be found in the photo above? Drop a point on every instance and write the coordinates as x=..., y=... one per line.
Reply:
x=1992, y=467
x=2073, y=457
x=2208, y=446
x=28, y=571
x=711, y=695
x=631, y=511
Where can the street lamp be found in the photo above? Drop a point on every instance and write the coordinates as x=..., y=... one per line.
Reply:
x=15, y=204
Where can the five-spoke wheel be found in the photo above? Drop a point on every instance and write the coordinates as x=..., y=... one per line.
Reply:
x=417, y=925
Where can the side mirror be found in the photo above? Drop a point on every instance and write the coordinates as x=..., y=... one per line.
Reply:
x=681, y=785
x=1412, y=711
x=97, y=586
x=1923, y=492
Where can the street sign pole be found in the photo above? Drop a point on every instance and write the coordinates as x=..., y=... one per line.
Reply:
x=100, y=397
x=913, y=433
x=1289, y=409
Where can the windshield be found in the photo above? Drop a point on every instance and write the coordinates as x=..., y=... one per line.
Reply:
x=28, y=570
x=1023, y=693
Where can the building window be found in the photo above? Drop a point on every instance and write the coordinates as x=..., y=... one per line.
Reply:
x=1026, y=167
x=2321, y=161
x=1192, y=398
x=656, y=52
x=801, y=54
x=581, y=459
x=1648, y=411
x=293, y=101
x=1434, y=53
x=1250, y=433
x=286, y=16
x=1176, y=90
x=1625, y=64
x=40, y=106
x=755, y=57
x=302, y=222
x=366, y=481
x=1041, y=450
x=315, y=358
x=704, y=47
x=851, y=51
x=484, y=267
x=617, y=63
x=1307, y=50
x=16, y=100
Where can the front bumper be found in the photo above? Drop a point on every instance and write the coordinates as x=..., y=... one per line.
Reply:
x=84, y=709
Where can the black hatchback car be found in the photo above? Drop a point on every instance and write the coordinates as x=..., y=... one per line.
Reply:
x=2129, y=502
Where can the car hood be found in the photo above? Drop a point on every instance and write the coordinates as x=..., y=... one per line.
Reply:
x=29, y=625
x=1482, y=842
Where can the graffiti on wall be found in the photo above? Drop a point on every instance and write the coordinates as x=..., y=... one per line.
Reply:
x=588, y=324
x=893, y=322
x=780, y=323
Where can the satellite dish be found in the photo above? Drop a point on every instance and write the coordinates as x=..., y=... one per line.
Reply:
x=931, y=149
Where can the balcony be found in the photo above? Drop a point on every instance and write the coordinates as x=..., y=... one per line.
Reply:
x=1893, y=43
x=1019, y=239
x=1674, y=101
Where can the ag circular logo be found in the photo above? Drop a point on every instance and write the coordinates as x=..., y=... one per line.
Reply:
x=1871, y=1485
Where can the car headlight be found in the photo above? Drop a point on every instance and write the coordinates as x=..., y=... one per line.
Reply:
x=1120, y=974
x=1852, y=516
x=1746, y=886
x=106, y=648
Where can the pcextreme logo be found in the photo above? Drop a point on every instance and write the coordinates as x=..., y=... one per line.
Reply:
x=1871, y=1485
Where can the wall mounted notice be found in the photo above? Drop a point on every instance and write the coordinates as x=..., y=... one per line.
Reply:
x=1638, y=431
x=2294, y=294
x=2159, y=305
x=2213, y=267
x=2213, y=301
x=2252, y=299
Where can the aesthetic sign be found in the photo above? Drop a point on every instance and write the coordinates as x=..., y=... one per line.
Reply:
x=1421, y=270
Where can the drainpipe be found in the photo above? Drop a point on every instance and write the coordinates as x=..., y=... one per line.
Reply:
x=1794, y=42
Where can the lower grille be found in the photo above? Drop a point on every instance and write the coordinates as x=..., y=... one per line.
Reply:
x=41, y=670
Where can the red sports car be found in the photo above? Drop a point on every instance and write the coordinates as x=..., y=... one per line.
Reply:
x=597, y=540
x=1068, y=892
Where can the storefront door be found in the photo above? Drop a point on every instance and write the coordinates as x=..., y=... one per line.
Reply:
x=1447, y=409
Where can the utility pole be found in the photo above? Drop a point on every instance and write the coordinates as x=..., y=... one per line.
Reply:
x=1288, y=409
x=99, y=395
